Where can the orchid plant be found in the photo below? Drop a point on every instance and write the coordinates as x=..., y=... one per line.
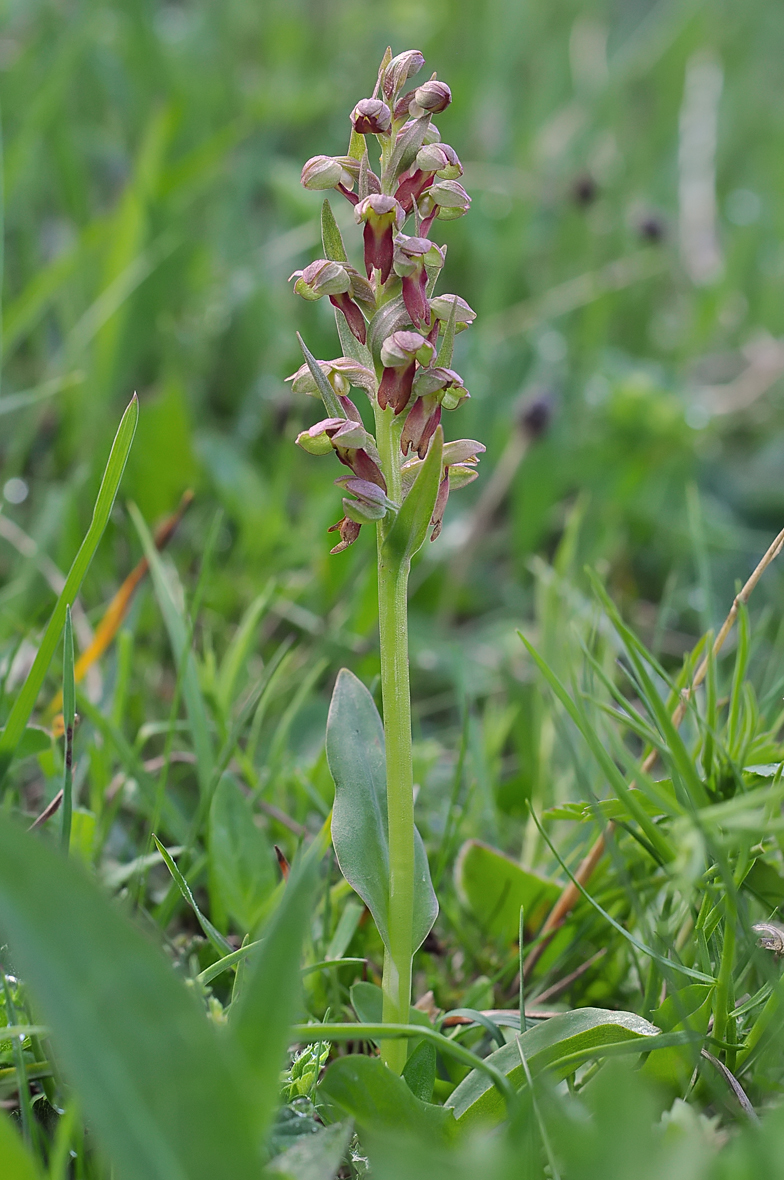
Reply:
x=397, y=339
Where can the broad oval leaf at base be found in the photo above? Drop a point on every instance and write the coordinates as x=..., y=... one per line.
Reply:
x=477, y=1101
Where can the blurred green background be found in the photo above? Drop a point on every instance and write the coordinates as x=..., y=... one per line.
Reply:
x=624, y=252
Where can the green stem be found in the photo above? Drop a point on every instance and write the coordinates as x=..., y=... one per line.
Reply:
x=396, y=697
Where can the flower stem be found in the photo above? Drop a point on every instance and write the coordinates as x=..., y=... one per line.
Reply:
x=396, y=697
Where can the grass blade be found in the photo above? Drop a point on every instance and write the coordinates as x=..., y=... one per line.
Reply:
x=69, y=721
x=25, y=702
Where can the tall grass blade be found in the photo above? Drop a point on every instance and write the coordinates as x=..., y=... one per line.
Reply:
x=25, y=702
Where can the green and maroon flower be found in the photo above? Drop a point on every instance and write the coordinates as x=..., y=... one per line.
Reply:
x=400, y=353
x=412, y=256
x=381, y=215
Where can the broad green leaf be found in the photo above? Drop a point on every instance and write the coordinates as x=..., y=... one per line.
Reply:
x=547, y=1046
x=313, y=1157
x=378, y=1100
x=34, y=740
x=331, y=237
x=179, y=635
x=494, y=887
x=269, y=1000
x=355, y=752
x=330, y=399
x=407, y=535
x=165, y=1095
x=763, y=881
x=690, y=1009
x=16, y=1163
x=419, y=1072
x=242, y=862
x=25, y=701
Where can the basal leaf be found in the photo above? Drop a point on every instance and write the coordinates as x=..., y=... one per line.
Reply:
x=494, y=887
x=419, y=1072
x=377, y=1099
x=313, y=1157
x=165, y=1095
x=355, y=752
x=546, y=1046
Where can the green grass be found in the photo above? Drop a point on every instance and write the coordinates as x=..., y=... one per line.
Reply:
x=152, y=215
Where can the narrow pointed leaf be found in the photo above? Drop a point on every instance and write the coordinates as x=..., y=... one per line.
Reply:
x=331, y=236
x=328, y=396
x=25, y=701
x=408, y=533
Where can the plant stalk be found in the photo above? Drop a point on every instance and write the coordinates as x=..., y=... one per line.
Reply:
x=396, y=698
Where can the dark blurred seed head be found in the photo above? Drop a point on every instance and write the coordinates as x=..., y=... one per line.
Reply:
x=536, y=413
x=585, y=190
x=652, y=228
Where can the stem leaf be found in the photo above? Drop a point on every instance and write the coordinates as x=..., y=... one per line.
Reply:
x=328, y=396
x=360, y=833
x=407, y=535
x=331, y=237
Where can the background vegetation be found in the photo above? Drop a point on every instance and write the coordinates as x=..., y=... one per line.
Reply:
x=625, y=256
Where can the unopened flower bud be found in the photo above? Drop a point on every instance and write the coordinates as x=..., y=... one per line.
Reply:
x=320, y=278
x=322, y=172
x=441, y=308
x=371, y=116
x=441, y=159
x=430, y=99
x=447, y=200
x=382, y=215
x=401, y=348
x=462, y=450
x=399, y=70
x=318, y=439
x=341, y=374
